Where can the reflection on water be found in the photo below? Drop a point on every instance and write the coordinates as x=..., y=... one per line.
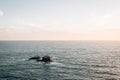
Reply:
x=78, y=60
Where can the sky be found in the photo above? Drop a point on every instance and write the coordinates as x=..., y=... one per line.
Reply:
x=59, y=19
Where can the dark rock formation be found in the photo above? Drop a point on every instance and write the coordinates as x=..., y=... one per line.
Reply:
x=43, y=59
x=35, y=58
x=46, y=59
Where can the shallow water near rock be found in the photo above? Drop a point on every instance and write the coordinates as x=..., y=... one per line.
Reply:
x=72, y=60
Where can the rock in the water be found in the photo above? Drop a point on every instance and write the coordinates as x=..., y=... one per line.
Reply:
x=35, y=58
x=43, y=59
x=46, y=59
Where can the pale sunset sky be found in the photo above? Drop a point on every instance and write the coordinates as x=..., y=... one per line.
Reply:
x=59, y=19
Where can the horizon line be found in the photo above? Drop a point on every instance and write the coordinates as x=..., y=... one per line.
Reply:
x=59, y=40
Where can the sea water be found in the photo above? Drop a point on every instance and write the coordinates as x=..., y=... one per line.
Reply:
x=72, y=60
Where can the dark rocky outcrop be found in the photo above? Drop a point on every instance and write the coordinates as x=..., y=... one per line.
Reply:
x=42, y=59
x=46, y=59
x=35, y=58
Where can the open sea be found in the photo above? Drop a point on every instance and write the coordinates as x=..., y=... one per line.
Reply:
x=72, y=60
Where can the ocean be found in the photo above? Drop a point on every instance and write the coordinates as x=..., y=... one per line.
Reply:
x=72, y=60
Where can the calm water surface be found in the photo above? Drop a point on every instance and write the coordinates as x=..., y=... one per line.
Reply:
x=72, y=60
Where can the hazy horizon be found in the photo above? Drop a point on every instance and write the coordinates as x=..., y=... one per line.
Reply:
x=59, y=20
x=67, y=40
